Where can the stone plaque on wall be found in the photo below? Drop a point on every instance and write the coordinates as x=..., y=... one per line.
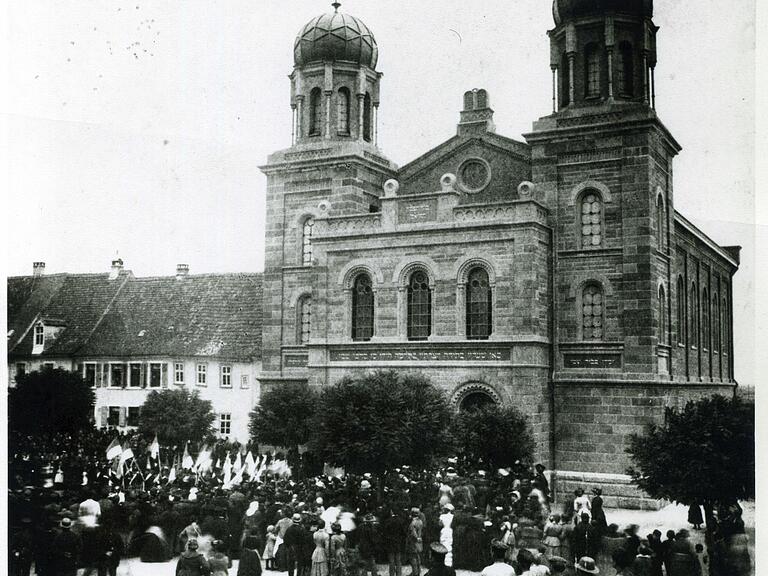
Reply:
x=417, y=211
x=295, y=360
x=592, y=360
x=404, y=354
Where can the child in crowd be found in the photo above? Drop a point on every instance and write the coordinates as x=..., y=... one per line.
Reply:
x=269, y=548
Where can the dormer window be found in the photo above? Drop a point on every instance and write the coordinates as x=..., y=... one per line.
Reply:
x=39, y=335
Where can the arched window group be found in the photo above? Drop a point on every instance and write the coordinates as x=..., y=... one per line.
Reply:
x=315, y=112
x=478, y=304
x=591, y=219
x=306, y=241
x=662, y=315
x=592, y=71
x=592, y=312
x=419, y=310
x=362, y=308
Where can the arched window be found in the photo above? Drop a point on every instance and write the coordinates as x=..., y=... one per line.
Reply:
x=592, y=312
x=681, y=320
x=342, y=110
x=315, y=112
x=705, y=334
x=661, y=224
x=469, y=100
x=694, y=302
x=625, y=71
x=367, y=112
x=716, y=323
x=592, y=71
x=482, y=99
x=362, y=308
x=565, y=81
x=476, y=401
x=662, y=315
x=419, y=306
x=726, y=321
x=591, y=219
x=306, y=241
x=479, y=305
x=305, y=319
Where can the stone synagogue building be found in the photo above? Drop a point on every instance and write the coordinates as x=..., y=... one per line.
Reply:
x=554, y=274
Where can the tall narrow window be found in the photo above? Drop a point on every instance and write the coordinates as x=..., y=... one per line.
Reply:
x=306, y=241
x=661, y=224
x=681, y=320
x=662, y=316
x=39, y=335
x=305, y=319
x=482, y=99
x=342, y=110
x=367, y=120
x=592, y=71
x=726, y=322
x=565, y=81
x=716, y=323
x=705, y=334
x=479, y=308
x=625, y=71
x=362, y=308
x=315, y=112
x=591, y=220
x=694, y=303
x=592, y=307
x=419, y=307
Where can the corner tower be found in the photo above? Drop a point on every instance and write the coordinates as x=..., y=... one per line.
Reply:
x=332, y=168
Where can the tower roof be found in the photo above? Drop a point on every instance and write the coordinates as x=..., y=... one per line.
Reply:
x=563, y=10
x=335, y=36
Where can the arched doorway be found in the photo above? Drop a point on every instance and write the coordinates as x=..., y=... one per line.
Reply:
x=476, y=400
x=474, y=395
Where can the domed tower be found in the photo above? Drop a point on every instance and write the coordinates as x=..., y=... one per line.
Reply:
x=334, y=85
x=602, y=50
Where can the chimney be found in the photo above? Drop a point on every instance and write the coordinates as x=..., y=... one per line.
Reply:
x=38, y=268
x=181, y=271
x=117, y=267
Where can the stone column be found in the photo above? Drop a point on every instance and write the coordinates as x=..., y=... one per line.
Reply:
x=571, y=87
x=360, y=110
x=299, y=116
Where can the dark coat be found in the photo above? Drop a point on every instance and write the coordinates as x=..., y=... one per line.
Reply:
x=65, y=552
x=368, y=539
x=394, y=531
x=192, y=564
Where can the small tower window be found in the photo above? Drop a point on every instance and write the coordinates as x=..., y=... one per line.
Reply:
x=342, y=110
x=367, y=112
x=362, y=308
x=306, y=241
x=681, y=319
x=565, y=81
x=591, y=220
x=482, y=99
x=592, y=306
x=315, y=112
x=469, y=100
x=661, y=224
x=662, y=315
x=305, y=319
x=592, y=71
x=419, y=307
x=625, y=70
x=479, y=305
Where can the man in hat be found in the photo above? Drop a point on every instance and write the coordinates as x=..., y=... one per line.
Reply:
x=368, y=541
x=438, y=553
x=586, y=565
x=394, y=531
x=66, y=550
x=414, y=545
x=499, y=566
x=295, y=536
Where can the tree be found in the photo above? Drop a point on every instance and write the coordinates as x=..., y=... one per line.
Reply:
x=50, y=401
x=176, y=416
x=493, y=436
x=283, y=416
x=704, y=454
x=381, y=421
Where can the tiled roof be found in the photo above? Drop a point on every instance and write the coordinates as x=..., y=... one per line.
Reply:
x=215, y=315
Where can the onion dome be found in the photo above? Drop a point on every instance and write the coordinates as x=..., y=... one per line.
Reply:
x=564, y=10
x=335, y=36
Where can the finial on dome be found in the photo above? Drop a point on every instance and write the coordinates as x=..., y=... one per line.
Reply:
x=336, y=6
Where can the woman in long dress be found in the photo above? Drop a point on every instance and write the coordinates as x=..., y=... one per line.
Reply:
x=250, y=560
x=320, y=553
x=446, y=532
x=553, y=532
x=338, y=544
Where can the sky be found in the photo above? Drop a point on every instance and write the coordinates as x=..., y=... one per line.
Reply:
x=136, y=129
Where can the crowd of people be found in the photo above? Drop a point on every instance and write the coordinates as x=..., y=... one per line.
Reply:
x=498, y=522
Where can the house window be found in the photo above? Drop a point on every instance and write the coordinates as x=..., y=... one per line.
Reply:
x=592, y=308
x=682, y=321
x=362, y=308
x=225, y=423
x=155, y=375
x=90, y=374
x=225, y=380
x=113, y=416
x=133, y=415
x=306, y=241
x=662, y=316
x=117, y=375
x=705, y=334
x=48, y=366
x=178, y=373
x=134, y=375
x=245, y=381
x=592, y=71
x=305, y=319
x=419, y=306
x=625, y=71
x=315, y=112
x=591, y=220
x=342, y=110
x=39, y=335
x=367, y=117
x=478, y=294
x=202, y=370
x=694, y=315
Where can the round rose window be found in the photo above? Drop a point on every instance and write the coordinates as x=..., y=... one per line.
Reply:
x=474, y=175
